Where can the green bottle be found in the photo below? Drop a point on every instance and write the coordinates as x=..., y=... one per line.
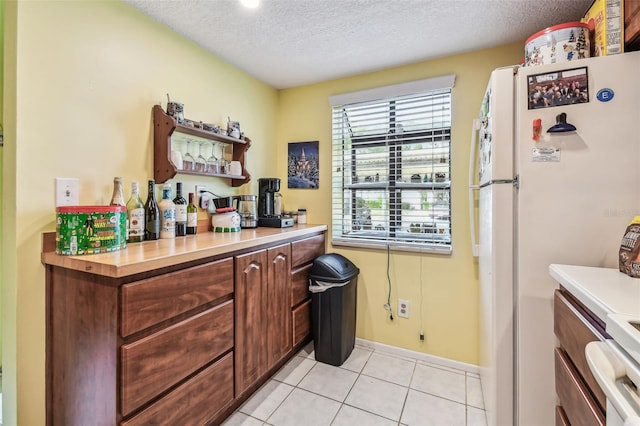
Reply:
x=181, y=211
x=192, y=216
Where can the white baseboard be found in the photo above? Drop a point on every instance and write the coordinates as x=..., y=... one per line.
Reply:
x=420, y=356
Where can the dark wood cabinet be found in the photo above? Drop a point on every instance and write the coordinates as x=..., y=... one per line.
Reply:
x=278, y=332
x=303, y=252
x=250, y=298
x=172, y=326
x=582, y=402
x=178, y=343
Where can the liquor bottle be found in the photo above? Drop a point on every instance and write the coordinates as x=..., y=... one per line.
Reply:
x=167, y=213
x=192, y=216
x=135, y=215
x=117, y=199
x=151, y=214
x=181, y=211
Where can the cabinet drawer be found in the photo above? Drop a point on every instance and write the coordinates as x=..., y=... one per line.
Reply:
x=574, y=332
x=561, y=417
x=155, y=363
x=304, y=251
x=301, y=322
x=148, y=302
x=196, y=401
x=300, y=284
x=577, y=402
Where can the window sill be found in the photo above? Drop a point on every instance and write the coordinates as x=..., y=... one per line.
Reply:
x=394, y=246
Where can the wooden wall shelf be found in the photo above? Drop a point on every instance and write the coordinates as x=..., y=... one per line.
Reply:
x=164, y=127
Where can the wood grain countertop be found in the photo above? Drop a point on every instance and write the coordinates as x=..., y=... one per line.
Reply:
x=150, y=255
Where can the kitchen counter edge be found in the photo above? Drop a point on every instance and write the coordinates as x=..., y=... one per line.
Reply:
x=150, y=255
x=603, y=290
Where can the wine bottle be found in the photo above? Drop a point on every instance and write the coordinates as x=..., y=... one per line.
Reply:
x=167, y=213
x=151, y=214
x=117, y=199
x=192, y=216
x=181, y=211
x=135, y=215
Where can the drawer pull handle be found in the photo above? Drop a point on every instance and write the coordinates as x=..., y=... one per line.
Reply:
x=607, y=367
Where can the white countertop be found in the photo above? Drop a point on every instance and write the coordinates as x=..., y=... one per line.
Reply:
x=603, y=290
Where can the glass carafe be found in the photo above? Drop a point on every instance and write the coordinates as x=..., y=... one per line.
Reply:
x=248, y=210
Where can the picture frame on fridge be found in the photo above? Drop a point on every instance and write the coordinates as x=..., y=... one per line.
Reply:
x=558, y=88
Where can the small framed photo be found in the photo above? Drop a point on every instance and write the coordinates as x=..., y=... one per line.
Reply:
x=303, y=165
x=558, y=88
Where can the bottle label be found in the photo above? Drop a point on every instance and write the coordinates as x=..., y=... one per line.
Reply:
x=136, y=222
x=168, y=225
x=181, y=213
x=192, y=219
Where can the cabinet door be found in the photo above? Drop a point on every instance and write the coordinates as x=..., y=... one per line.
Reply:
x=278, y=303
x=250, y=301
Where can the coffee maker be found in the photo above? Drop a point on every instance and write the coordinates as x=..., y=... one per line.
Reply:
x=267, y=187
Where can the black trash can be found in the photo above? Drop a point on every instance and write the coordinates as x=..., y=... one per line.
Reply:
x=333, y=283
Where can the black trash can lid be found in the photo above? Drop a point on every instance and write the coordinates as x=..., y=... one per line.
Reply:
x=333, y=267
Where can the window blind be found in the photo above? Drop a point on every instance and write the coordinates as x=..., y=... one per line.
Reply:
x=391, y=180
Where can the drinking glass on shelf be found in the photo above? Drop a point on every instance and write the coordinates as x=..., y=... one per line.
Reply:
x=223, y=164
x=201, y=162
x=213, y=164
x=187, y=159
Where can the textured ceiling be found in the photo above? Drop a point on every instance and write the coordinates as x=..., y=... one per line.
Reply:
x=288, y=43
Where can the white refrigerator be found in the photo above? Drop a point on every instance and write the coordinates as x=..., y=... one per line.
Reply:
x=542, y=192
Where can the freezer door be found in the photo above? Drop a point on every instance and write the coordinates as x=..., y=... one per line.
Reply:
x=496, y=301
x=573, y=208
x=496, y=135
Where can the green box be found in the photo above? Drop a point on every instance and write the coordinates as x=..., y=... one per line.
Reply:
x=90, y=229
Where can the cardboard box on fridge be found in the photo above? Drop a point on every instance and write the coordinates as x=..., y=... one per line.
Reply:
x=606, y=24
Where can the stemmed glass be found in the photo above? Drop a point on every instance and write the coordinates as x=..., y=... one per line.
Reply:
x=187, y=159
x=222, y=162
x=213, y=164
x=201, y=162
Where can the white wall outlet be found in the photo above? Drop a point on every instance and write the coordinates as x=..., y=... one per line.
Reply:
x=67, y=191
x=200, y=195
x=403, y=308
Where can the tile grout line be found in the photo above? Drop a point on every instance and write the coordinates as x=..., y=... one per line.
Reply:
x=360, y=374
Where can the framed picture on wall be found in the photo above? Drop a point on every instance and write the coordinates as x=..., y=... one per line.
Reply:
x=303, y=165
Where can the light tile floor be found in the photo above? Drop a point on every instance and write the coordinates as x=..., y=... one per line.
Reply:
x=371, y=388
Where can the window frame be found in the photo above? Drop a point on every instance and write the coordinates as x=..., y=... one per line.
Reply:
x=395, y=186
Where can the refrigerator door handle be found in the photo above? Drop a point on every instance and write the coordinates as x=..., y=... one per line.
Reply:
x=475, y=248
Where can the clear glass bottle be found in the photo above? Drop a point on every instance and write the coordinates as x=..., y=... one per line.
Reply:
x=151, y=214
x=135, y=216
x=192, y=216
x=117, y=199
x=181, y=211
x=167, y=213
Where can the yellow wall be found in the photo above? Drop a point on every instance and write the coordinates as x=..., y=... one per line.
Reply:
x=86, y=75
x=447, y=287
x=1, y=153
